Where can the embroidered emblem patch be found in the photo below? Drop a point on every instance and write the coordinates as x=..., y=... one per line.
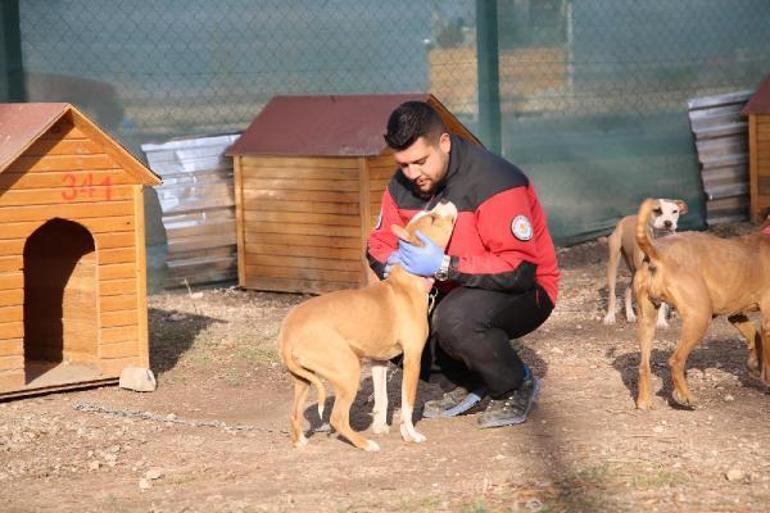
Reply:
x=521, y=228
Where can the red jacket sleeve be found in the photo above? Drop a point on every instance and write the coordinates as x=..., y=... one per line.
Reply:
x=505, y=226
x=382, y=241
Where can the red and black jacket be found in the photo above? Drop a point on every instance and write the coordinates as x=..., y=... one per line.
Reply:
x=501, y=240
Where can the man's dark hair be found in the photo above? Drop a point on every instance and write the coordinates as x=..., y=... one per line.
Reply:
x=410, y=121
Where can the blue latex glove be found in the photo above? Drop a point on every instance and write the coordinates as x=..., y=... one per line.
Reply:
x=420, y=260
x=393, y=259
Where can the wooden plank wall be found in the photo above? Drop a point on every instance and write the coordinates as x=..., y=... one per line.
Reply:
x=301, y=227
x=759, y=134
x=381, y=170
x=64, y=174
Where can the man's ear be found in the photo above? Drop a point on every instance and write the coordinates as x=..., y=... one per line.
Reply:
x=682, y=207
x=400, y=232
x=445, y=142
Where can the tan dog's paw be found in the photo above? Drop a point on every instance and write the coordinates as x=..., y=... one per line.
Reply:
x=609, y=319
x=685, y=401
x=300, y=443
x=372, y=446
x=381, y=429
x=630, y=316
x=662, y=324
x=643, y=404
x=411, y=435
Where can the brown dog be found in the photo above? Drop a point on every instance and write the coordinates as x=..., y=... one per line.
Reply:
x=702, y=276
x=622, y=241
x=327, y=336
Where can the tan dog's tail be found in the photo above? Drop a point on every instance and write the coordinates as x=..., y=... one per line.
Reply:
x=301, y=372
x=643, y=239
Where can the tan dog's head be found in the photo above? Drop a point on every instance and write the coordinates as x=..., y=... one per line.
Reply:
x=665, y=215
x=437, y=224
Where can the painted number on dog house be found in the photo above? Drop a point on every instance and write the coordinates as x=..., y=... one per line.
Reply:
x=86, y=187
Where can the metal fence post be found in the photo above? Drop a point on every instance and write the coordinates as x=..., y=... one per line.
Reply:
x=488, y=73
x=11, y=66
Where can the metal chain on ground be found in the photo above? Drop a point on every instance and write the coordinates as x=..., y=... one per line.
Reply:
x=169, y=418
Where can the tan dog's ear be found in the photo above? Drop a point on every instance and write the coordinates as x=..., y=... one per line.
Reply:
x=682, y=206
x=400, y=232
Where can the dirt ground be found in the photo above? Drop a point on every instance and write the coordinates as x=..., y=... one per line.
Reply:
x=214, y=436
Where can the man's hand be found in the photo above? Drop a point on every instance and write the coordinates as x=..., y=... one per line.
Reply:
x=422, y=260
x=393, y=259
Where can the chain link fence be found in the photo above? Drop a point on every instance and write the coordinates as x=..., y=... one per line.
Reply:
x=592, y=92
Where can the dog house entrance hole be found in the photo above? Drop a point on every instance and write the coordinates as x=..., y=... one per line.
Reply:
x=60, y=305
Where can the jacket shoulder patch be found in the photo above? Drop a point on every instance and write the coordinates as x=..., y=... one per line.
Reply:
x=521, y=228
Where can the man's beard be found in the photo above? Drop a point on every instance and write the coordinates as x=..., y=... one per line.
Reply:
x=424, y=194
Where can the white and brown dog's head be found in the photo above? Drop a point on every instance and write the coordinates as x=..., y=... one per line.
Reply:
x=665, y=215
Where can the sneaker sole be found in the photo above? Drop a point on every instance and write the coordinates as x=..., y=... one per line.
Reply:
x=471, y=400
x=515, y=420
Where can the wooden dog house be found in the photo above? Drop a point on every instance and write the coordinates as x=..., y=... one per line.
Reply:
x=758, y=111
x=73, y=308
x=309, y=176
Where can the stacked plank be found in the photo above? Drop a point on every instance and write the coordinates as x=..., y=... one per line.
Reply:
x=198, y=208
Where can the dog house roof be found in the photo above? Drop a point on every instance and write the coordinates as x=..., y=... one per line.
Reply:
x=324, y=126
x=759, y=103
x=21, y=124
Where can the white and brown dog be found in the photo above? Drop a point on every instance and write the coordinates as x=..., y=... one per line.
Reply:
x=702, y=276
x=622, y=241
x=327, y=336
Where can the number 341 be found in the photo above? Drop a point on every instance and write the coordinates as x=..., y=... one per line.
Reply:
x=86, y=187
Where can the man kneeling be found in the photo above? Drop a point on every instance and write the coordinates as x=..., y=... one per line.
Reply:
x=497, y=278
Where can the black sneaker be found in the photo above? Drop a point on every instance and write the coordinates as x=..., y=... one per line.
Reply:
x=456, y=401
x=512, y=409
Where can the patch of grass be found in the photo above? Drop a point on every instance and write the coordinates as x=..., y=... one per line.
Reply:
x=201, y=358
x=660, y=478
x=581, y=490
x=257, y=354
x=233, y=377
x=478, y=506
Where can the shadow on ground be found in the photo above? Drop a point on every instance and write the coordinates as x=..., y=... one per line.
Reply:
x=431, y=388
x=172, y=333
x=726, y=355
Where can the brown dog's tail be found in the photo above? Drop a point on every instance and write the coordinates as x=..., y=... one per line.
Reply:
x=302, y=373
x=643, y=239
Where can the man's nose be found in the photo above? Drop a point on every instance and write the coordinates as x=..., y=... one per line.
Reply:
x=411, y=171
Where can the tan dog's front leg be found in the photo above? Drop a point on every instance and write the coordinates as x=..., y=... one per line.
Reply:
x=613, y=243
x=380, y=410
x=408, y=395
x=630, y=315
x=645, y=330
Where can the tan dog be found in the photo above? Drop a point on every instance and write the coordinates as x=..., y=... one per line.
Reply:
x=702, y=276
x=622, y=241
x=327, y=336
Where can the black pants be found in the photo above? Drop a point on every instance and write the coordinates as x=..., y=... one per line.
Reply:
x=470, y=336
